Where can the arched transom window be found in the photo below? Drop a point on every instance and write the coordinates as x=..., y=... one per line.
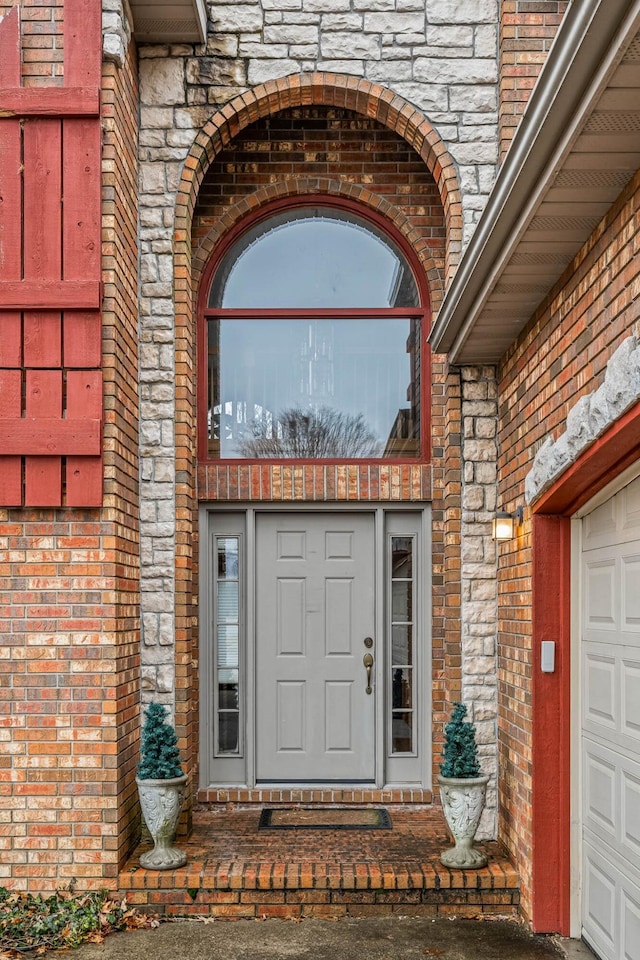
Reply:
x=313, y=323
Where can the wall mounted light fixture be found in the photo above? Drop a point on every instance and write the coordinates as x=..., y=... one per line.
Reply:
x=504, y=524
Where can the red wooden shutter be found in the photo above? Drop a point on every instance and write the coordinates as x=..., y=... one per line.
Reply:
x=50, y=271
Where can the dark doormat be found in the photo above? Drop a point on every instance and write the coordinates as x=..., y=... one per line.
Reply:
x=325, y=818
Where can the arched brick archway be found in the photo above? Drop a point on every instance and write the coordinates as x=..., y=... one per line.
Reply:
x=317, y=89
x=313, y=186
x=333, y=90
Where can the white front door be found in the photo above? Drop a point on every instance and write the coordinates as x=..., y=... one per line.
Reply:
x=314, y=610
x=610, y=667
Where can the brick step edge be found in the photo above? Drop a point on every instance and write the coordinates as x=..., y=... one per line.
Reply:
x=292, y=904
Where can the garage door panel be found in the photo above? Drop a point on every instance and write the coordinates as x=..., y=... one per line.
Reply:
x=601, y=525
x=599, y=907
x=630, y=682
x=599, y=701
x=630, y=927
x=630, y=508
x=611, y=801
x=630, y=594
x=610, y=668
x=630, y=816
x=600, y=794
x=600, y=594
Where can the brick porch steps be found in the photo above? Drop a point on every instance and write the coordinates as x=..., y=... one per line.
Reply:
x=235, y=870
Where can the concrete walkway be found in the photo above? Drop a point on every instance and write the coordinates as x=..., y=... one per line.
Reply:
x=346, y=939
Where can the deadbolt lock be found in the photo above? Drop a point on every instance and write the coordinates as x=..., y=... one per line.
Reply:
x=368, y=642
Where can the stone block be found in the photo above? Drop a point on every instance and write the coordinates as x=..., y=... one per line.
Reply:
x=161, y=82
x=215, y=70
x=260, y=71
x=485, y=41
x=349, y=45
x=236, y=18
x=426, y=97
x=150, y=629
x=482, y=152
x=462, y=11
x=165, y=678
x=473, y=498
x=393, y=22
x=446, y=70
x=389, y=71
x=159, y=118
x=485, y=427
x=472, y=549
x=341, y=21
x=291, y=33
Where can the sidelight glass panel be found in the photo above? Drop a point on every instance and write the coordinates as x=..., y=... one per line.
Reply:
x=339, y=388
x=227, y=558
x=227, y=633
x=402, y=643
x=402, y=592
x=402, y=732
x=401, y=601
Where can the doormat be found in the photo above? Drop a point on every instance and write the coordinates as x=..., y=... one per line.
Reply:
x=327, y=818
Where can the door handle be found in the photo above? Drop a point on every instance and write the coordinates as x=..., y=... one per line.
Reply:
x=368, y=663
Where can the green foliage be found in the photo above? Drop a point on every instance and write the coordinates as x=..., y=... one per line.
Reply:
x=159, y=754
x=460, y=755
x=30, y=922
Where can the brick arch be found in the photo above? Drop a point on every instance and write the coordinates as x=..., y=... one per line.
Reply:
x=332, y=90
x=313, y=89
x=318, y=187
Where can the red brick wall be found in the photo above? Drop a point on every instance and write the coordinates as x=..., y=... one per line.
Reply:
x=42, y=41
x=121, y=402
x=69, y=657
x=322, y=142
x=561, y=356
x=527, y=29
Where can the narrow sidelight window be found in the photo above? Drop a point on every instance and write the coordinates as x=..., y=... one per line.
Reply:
x=227, y=634
x=402, y=567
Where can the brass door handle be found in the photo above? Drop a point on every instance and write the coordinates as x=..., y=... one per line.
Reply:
x=368, y=664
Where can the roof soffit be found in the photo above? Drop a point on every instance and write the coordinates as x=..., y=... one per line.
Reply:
x=169, y=21
x=558, y=181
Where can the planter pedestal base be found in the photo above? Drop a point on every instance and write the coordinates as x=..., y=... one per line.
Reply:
x=161, y=802
x=463, y=802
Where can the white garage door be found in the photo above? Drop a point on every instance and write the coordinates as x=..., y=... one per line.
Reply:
x=610, y=650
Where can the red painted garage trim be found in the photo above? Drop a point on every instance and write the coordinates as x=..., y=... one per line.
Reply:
x=605, y=459
x=551, y=725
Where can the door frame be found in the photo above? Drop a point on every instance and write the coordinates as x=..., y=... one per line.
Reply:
x=379, y=512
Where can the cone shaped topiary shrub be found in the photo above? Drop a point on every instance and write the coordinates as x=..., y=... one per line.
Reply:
x=159, y=754
x=460, y=755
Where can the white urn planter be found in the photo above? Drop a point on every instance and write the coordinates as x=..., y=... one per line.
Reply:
x=161, y=803
x=463, y=802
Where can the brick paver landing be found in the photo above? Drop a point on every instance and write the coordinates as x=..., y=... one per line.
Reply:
x=236, y=870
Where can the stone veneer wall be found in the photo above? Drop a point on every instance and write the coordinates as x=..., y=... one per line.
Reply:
x=443, y=62
x=479, y=592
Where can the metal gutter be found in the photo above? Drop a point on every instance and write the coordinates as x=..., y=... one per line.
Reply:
x=587, y=47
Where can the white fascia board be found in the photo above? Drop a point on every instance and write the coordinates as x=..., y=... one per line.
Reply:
x=589, y=43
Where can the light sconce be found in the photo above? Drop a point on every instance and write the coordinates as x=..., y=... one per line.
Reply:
x=504, y=524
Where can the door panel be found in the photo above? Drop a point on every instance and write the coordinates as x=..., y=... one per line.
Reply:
x=314, y=607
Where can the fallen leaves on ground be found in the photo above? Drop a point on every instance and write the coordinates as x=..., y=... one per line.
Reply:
x=34, y=924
